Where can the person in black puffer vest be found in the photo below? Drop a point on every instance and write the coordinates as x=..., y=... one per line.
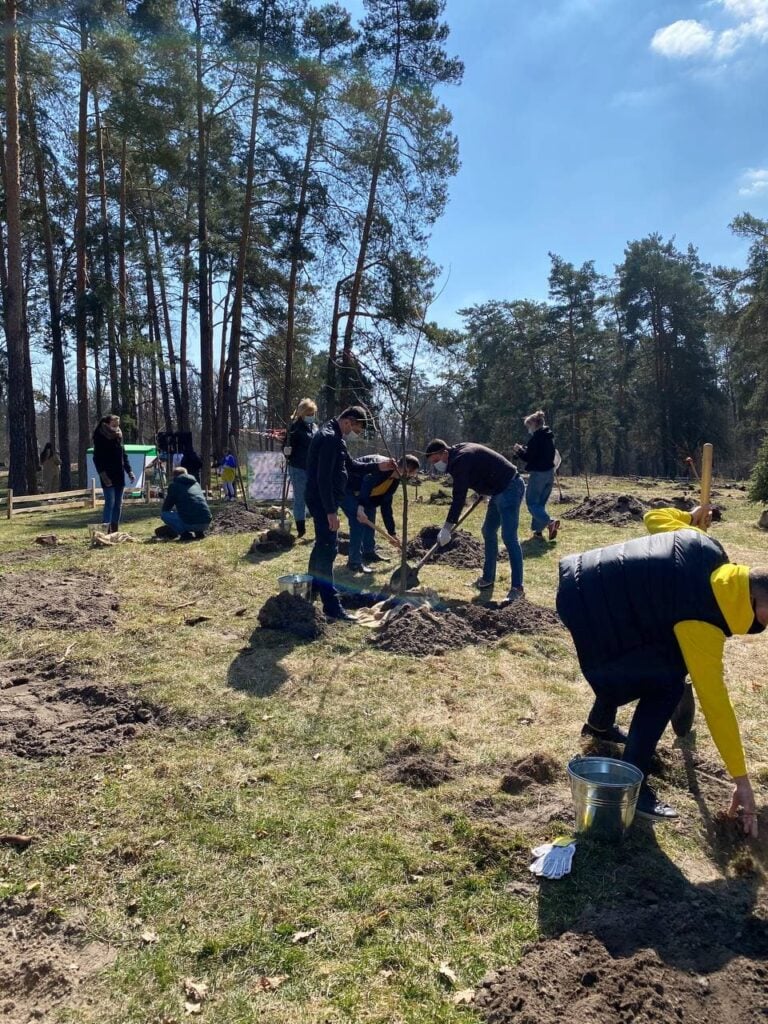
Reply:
x=539, y=458
x=111, y=464
x=646, y=612
x=296, y=449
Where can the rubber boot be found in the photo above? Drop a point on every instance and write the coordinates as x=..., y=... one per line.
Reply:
x=301, y=527
x=114, y=527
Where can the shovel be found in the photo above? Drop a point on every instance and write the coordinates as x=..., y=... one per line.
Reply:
x=412, y=572
x=382, y=532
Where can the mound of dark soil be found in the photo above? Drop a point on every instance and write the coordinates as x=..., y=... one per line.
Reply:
x=236, y=518
x=42, y=962
x=535, y=768
x=463, y=550
x=291, y=614
x=683, y=503
x=63, y=600
x=575, y=980
x=271, y=541
x=614, y=509
x=440, y=497
x=424, y=630
x=46, y=709
x=410, y=765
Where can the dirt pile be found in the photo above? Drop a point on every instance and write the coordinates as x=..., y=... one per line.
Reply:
x=575, y=979
x=47, y=709
x=536, y=768
x=236, y=518
x=63, y=600
x=613, y=509
x=425, y=630
x=272, y=540
x=409, y=764
x=462, y=552
x=440, y=497
x=291, y=614
x=42, y=962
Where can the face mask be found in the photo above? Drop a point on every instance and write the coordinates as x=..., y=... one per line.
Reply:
x=440, y=466
x=309, y=419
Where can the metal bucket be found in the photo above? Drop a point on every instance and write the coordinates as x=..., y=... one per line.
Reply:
x=604, y=793
x=298, y=583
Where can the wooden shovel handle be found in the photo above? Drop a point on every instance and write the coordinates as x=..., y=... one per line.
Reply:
x=707, y=453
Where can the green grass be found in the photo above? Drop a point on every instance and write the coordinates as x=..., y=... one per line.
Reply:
x=273, y=816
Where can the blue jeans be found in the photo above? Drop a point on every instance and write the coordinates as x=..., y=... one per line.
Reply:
x=113, y=505
x=536, y=496
x=504, y=511
x=299, y=484
x=174, y=520
x=362, y=539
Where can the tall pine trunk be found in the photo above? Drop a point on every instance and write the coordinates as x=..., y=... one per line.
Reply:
x=109, y=282
x=203, y=285
x=166, y=312
x=81, y=332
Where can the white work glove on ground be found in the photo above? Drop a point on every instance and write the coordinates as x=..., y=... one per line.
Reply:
x=553, y=860
x=444, y=536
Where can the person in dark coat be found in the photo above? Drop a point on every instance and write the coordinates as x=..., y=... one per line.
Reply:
x=328, y=464
x=111, y=464
x=477, y=468
x=296, y=449
x=644, y=613
x=369, y=490
x=539, y=458
x=192, y=462
x=185, y=510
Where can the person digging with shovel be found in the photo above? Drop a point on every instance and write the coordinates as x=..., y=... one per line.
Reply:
x=475, y=467
x=374, y=489
x=645, y=613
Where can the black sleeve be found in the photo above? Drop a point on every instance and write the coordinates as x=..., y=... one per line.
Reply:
x=460, y=488
x=126, y=461
x=523, y=452
x=98, y=460
x=326, y=473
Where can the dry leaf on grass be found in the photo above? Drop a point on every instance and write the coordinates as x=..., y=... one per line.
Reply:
x=303, y=936
x=192, y=1008
x=265, y=984
x=446, y=974
x=464, y=998
x=12, y=839
x=197, y=991
x=148, y=937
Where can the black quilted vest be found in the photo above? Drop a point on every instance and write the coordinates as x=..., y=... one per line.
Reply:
x=621, y=603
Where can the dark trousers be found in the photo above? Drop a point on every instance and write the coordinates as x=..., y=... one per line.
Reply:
x=322, y=557
x=655, y=703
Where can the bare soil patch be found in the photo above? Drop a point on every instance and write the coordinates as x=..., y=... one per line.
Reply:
x=424, y=630
x=409, y=764
x=292, y=614
x=614, y=509
x=535, y=768
x=272, y=540
x=43, y=962
x=463, y=551
x=236, y=518
x=63, y=600
x=47, y=709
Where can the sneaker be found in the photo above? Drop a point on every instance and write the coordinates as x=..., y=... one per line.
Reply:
x=650, y=806
x=537, y=535
x=358, y=567
x=199, y=535
x=374, y=557
x=339, y=616
x=165, y=533
x=552, y=529
x=482, y=583
x=515, y=593
x=613, y=734
x=186, y=537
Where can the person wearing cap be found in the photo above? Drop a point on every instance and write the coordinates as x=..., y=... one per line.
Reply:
x=368, y=490
x=475, y=467
x=328, y=466
x=646, y=612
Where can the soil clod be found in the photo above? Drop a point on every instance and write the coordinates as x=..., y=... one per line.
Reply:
x=409, y=764
x=272, y=540
x=236, y=518
x=292, y=614
x=536, y=768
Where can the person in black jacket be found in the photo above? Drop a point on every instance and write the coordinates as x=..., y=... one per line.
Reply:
x=475, y=467
x=296, y=449
x=111, y=464
x=192, y=462
x=369, y=490
x=328, y=462
x=539, y=457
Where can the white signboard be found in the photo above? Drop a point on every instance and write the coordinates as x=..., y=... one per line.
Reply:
x=138, y=460
x=267, y=476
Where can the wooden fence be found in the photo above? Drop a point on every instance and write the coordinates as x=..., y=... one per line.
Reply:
x=85, y=498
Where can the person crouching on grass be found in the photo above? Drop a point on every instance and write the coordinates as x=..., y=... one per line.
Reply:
x=185, y=510
x=644, y=613
x=475, y=467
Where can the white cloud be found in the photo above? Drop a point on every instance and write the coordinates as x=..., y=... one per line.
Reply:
x=691, y=38
x=683, y=39
x=754, y=182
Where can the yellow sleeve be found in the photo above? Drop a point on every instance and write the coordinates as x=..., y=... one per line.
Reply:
x=662, y=520
x=702, y=647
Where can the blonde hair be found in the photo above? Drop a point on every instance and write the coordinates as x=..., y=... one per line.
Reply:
x=306, y=407
x=536, y=419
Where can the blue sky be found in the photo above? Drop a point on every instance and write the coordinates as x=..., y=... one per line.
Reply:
x=584, y=124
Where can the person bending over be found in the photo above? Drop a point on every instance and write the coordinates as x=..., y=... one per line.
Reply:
x=185, y=510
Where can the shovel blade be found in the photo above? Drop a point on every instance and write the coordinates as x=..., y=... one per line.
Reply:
x=405, y=578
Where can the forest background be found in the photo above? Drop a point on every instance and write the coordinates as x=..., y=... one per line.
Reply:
x=213, y=209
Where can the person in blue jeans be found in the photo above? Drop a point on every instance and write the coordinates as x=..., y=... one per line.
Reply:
x=295, y=451
x=475, y=467
x=185, y=510
x=368, y=490
x=112, y=465
x=539, y=458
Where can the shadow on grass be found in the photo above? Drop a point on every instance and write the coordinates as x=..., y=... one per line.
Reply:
x=257, y=669
x=82, y=518
x=631, y=896
x=535, y=548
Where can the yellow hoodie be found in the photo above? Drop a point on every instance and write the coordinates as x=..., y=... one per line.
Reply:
x=702, y=644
